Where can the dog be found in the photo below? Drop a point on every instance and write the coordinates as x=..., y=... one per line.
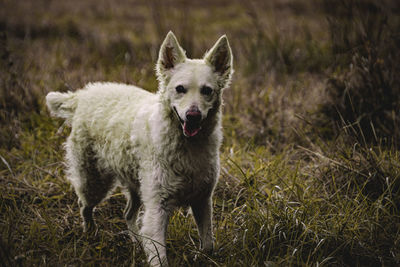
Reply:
x=161, y=148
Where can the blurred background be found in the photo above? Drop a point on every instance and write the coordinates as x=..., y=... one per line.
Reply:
x=311, y=122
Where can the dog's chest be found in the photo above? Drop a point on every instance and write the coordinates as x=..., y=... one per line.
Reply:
x=191, y=176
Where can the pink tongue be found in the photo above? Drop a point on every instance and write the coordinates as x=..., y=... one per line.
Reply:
x=189, y=131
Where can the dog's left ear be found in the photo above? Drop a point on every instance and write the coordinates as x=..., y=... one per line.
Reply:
x=221, y=60
x=170, y=55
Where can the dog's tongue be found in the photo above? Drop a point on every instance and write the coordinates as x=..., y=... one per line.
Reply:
x=190, y=129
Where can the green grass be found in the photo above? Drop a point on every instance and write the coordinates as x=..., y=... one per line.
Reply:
x=294, y=190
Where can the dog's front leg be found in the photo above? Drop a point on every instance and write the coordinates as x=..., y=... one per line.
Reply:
x=202, y=212
x=154, y=229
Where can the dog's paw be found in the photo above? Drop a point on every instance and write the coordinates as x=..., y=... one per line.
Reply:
x=135, y=238
x=203, y=253
x=207, y=248
x=90, y=227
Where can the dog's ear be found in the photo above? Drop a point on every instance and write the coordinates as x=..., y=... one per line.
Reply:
x=220, y=58
x=171, y=54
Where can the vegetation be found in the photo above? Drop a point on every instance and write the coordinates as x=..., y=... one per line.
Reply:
x=310, y=162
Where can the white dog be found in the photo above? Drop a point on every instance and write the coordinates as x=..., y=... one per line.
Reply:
x=162, y=149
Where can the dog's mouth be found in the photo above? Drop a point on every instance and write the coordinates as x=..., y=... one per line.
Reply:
x=190, y=128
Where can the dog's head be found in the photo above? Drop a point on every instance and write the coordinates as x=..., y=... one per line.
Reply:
x=193, y=87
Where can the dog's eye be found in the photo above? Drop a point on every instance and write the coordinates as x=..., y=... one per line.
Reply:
x=205, y=90
x=180, y=89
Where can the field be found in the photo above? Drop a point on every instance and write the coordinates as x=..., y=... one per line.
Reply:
x=311, y=155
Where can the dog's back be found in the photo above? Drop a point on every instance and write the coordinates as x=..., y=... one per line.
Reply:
x=99, y=102
x=102, y=116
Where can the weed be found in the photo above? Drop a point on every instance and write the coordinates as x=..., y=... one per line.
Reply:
x=366, y=93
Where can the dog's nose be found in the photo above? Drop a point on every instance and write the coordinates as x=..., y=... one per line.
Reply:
x=193, y=115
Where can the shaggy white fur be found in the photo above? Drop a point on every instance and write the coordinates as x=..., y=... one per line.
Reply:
x=162, y=149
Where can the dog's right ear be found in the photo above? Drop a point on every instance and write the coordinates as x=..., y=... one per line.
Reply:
x=220, y=58
x=170, y=55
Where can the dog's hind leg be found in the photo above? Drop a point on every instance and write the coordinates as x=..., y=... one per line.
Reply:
x=91, y=184
x=131, y=212
x=87, y=216
x=90, y=195
x=94, y=190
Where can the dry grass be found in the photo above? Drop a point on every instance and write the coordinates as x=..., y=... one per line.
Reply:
x=297, y=188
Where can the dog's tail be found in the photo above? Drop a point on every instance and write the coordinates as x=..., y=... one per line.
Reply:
x=62, y=105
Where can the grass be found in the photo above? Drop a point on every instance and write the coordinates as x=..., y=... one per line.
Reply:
x=295, y=188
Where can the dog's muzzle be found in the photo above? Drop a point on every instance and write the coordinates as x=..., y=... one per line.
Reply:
x=191, y=125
